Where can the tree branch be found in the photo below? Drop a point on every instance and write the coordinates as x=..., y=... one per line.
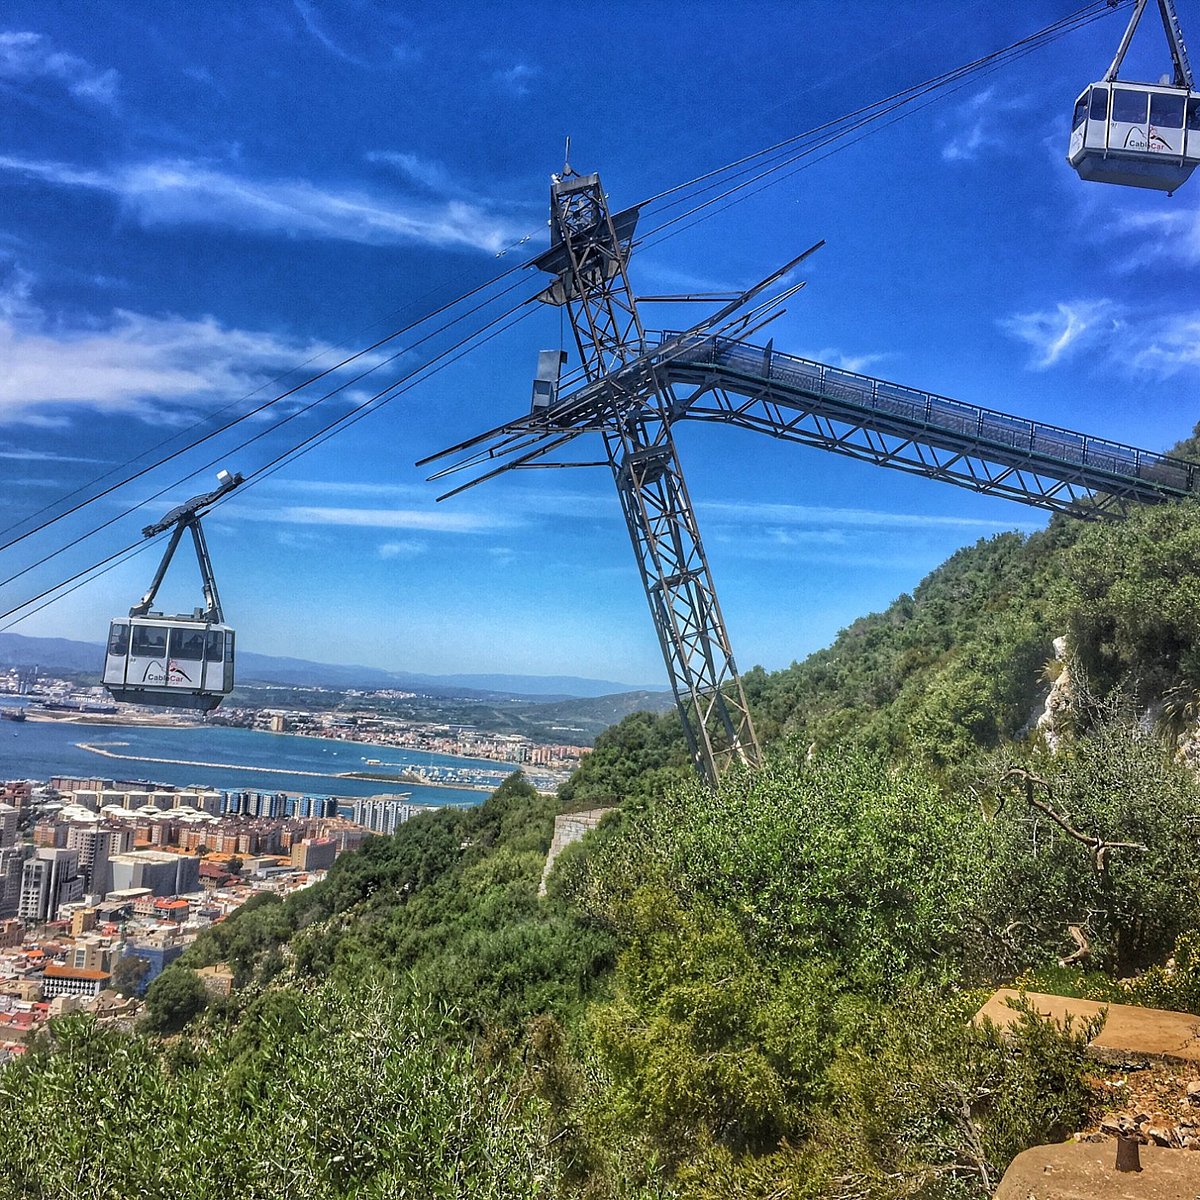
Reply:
x=1100, y=848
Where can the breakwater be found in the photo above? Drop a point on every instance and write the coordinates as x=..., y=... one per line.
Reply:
x=224, y=758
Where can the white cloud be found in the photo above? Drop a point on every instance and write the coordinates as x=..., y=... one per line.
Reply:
x=45, y=456
x=440, y=521
x=1159, y=235
x=425, y=172
x=516, y=78
x=28, y=56
x=130, y=363
x=850, y=537
x=1145, y=341
x=848, y=362
x=1172, y=347
x=778, y=517
x=1056, y=335
x=181, y=192
x=406, y=548
x=309, y=18
x=978, y=124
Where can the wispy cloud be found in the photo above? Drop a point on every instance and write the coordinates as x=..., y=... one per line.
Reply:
x=181, y=192
x=1058, y=334
x=25, y=57
x=516, y=78
x=405, y=548
x=46, y=456
x=422, y=520
x=976, y=127
x=860, y=538
x=849, y=362
x=346, y=487
x=1171, y=347
x=130, y=362
x=1142, y=341
x=1157, y=236
x=312, y=23
x=825, y=518
x=424, y=172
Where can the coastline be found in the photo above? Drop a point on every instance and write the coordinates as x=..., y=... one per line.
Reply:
x=217, y=766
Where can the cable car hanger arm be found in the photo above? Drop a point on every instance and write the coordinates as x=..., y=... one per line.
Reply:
x=1179, y=56
x=187, y=516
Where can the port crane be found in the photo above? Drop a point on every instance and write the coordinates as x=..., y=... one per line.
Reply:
x=633, y=384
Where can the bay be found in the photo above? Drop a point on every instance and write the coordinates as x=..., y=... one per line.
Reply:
x=264, y=762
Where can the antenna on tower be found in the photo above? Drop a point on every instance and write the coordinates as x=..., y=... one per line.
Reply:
x=567, y=170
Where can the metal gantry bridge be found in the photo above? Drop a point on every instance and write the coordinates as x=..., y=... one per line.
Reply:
x=633, y=385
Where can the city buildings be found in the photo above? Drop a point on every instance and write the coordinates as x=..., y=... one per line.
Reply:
x=97, y=845
x=73, y=981
x=162, y=872
x=314, y=854
x=49, y=880
x=382, y=814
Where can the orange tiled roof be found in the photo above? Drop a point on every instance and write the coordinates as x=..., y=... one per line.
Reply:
x=56, y=972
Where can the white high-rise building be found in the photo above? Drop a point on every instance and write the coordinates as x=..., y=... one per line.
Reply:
x=49, y=879
x=8, y=825
x=12, y=859
x=97, y=845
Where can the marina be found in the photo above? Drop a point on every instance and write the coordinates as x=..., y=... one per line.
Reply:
x=235, y=760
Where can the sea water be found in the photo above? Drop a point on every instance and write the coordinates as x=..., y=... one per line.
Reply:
x=248, y=760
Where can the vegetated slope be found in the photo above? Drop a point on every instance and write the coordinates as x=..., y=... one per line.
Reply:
x=964, y=661
x=754, y=992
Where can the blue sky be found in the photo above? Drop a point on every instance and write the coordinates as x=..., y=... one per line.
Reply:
x=196, y=201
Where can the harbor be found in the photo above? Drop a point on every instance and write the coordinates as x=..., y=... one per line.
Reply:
x=233, y=759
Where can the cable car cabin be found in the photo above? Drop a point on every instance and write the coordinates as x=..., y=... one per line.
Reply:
x=180, y=662
x=1138, y=134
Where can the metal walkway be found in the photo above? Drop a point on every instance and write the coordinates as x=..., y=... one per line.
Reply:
x=796, y=399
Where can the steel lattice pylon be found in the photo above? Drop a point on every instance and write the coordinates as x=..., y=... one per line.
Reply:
x=589, y=250
x=633, y=385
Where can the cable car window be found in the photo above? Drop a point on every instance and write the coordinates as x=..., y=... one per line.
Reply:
x=214, y=649
x=1166, y=110
x=1080, y=113
x=1128, y=107
x=1099, y=109
x=118, y=640
x=1193, y=114
x=149, y=641
x=187, y=644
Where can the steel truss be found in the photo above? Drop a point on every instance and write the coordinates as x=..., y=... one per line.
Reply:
x=987, y=451
x=588, y=255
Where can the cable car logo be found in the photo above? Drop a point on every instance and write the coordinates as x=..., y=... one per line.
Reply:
x=176, y=674
x=173, y=673
x=1150, y=140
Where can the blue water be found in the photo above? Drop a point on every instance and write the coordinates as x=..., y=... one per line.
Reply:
x=39, y=749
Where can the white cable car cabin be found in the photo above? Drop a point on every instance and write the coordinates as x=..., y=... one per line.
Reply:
x=1143, y=135
x=175, y=661
x=180, y=662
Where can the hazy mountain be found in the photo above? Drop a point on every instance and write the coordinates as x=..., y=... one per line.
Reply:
x=63, y=654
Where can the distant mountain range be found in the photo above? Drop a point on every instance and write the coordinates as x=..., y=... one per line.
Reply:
x=65, y=655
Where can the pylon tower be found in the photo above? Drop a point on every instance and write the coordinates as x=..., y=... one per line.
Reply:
x=588, y=256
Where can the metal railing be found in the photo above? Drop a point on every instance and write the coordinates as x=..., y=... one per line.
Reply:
x=969, y=424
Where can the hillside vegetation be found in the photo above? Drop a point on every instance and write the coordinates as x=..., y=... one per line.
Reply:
x=759, y=991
